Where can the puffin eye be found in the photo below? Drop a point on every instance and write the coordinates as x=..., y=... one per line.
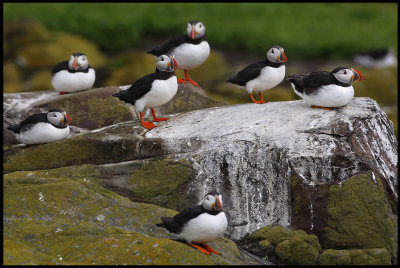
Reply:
x=345, y=72
x=272, y=51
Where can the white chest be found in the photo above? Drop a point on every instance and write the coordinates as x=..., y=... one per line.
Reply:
x=73, y=82
x=189, y=56
x=269, y=77
x=42, y=133
x=330, y=96
x=162, y=91
x=205, y=228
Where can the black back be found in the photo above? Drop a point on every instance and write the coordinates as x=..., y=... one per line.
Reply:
x=29, y=122
x=32, y=120
x=142, y=86
x=311, y=82
x=174, y=42
x=251, y=72
x=63, y=66
x=176, y=223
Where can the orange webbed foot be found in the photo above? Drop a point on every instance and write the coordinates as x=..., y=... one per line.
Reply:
x=210, y=249
x=321, y=107
x=200, y=249
x=181, y=81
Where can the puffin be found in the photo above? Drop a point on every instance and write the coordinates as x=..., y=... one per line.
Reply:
x=73, y=75
x=379, y=58
x=262, y=75
x=189, y=50
x=325, y=89
x=199, y=224
x=152, y=90
x=43, y=127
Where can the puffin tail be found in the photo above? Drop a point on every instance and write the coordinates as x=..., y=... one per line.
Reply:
x=236, y=80
x=154, y=51
x=122, y=95
x=14, y=128
x=165, y=222
x=297, y=83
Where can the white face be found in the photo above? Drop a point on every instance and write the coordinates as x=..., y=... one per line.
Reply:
x=165, y=63
x=212, y=202
x=196, y=31
x=276, y=55
x=58, y=118
x=345, y=75
x=78, y=62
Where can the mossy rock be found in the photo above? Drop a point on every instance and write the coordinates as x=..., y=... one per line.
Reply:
x=127, y=67
x=360, y=215
x=63, y=216
x=380, y=84
x=46, y=55
x=291, y=247
x=110, y=145
x=214, y=69
x=18, y=33
x=374, y=256
x=162, y=182
x=92, y=109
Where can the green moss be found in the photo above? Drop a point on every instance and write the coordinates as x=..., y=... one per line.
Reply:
x=160, y=181
x=291, y=247
x=63, y=216
x=375, y=256
x=54, y=154
x=283, y=250
x=360, y=216
x=102, y=110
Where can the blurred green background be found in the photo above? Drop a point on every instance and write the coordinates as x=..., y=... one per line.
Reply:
x=115, y=37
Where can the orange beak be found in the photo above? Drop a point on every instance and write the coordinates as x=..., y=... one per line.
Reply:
x=284, y=56
x=74, y=64
x=218, y=203
x=69, y=120
x=360, y=75
x=193, y=32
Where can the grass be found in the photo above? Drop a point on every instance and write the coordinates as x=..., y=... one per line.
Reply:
x=328, y=31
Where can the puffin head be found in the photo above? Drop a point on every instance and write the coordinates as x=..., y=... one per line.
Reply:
x=78, y=61
x=165, y=63
x=58, y=118
x=212, y=201
x=276, y=54
x=196, y=29
x=347, y=75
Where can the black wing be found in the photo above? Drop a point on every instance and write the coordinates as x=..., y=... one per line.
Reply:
x=137, y=89
x=317, y=79
x=172, y=43
x=60, y=67
x=28, y=122
x=297, y=81
x=175, y=224
x=248, y=73
x=14, y=128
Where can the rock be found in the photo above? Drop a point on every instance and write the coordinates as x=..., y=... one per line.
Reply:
x=284, y=246
x=94, y=108
x=272, y=162
x=374, y=256
x=63, y=216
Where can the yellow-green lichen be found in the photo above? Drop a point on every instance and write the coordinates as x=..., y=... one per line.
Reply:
x=63, y=217
x=160, y=181
x=54, y=154
x=360, y=216
x=375, y=256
